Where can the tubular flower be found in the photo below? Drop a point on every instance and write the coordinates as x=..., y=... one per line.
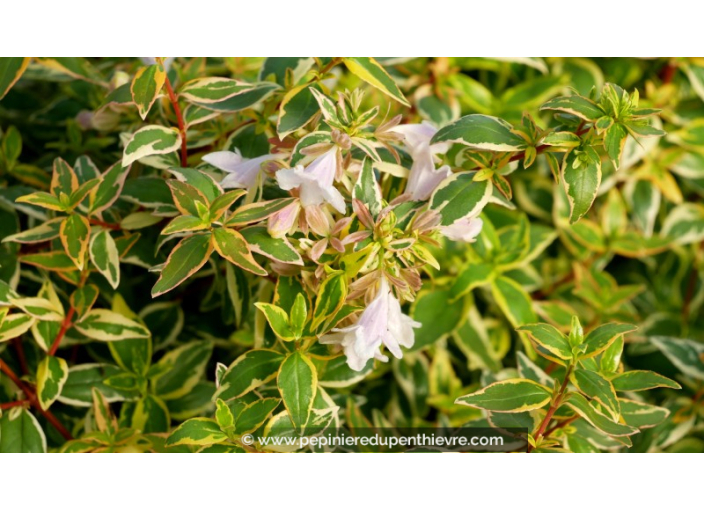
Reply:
x=315, y=182
x=465, y=229
x=381, y=323
x=424, y=177
x=242, y=172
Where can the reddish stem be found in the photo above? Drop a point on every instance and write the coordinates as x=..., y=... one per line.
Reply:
x=556, y=403
x=17, y=342
x=32, y=398
x=100, y=223
x=668, y=72
x=62, y=331
x=10, y=405
x=179, y=119
x=560, y=425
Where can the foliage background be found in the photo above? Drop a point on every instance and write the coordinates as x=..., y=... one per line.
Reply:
x=634, y=258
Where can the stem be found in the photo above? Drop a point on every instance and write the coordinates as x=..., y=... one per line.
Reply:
x=560, y=425
x=62, y=331
x=668, y=72
x=10, y=405
x=32, y=398
x=553, y=407
x=100, y=223
x=17, y=342
x=179, y=119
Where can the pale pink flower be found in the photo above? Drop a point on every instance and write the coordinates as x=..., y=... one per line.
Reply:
x=315, y=182
x=381, y=323
x=424, y=177
x=464, y=229
x=242, y=172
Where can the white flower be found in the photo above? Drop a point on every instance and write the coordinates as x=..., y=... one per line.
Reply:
x=315, y=182
x=243, y=172
x=465, y=229
x=424, y=177
x=381, y=323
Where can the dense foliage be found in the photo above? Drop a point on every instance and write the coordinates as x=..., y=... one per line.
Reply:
x=198, y=250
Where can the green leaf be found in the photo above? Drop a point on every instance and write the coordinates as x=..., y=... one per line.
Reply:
x=106, y=259
x=366, y=189
x=75, y=234
x=222, y=203
x=187, y=197
x=109, y=189
x=473, y=340
x=246, y=98
x=549, y=338
x=81, y=378
x=299, y=315
x=278, y=250
x=298, y=107
x=579, y=106
x=280, y=67
x=44, y=232
x=581, y=176
x=197, y=431
x=331, y=296
x=297, y=382
x=184, y=224
x=514, y=302
x=687, y=355
x=223, y=415
x=249, y=371
x=258, y=211
x=42, y=199
x=614, y=142
x=599, y=420
x=20, y=431
x=82, y=192
x=640, y=380
x=108, y=326
x=685, y=223
x=145, y=88
x=255, y=414
x=374, y=74
x=510, y=396
x=132, y=354
x=52, y=374
x=438, y=315
x=602, y=337
x=149, y=141
x=460, y=196
x=63, y=178
x=187, y=257
x=231, y=246
x=482, y=133
x=213, y=89
x=51, y=260
x=150, y=415
x=642, y=415
x=278, y=320
x=598, y=388
x=473, y=276
x=180, y=369
x=11, y=69
x=39, y=308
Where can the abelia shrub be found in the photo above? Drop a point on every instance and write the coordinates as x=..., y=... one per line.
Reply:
x=204, y=254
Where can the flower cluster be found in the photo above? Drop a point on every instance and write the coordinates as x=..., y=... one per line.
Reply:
x=333, y=223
